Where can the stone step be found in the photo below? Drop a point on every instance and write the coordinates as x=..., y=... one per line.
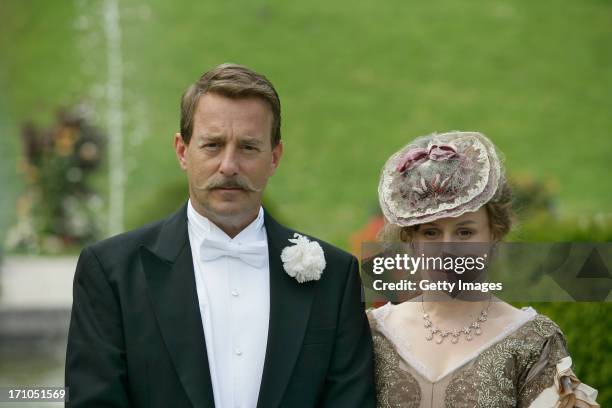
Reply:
x=36, y=282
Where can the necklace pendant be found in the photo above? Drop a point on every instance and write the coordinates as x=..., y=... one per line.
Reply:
x=438, y=334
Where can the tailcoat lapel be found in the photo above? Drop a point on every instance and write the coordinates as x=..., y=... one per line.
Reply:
x=168, y=267
x=290, y=304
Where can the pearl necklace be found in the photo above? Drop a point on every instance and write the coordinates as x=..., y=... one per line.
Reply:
x=440, y=334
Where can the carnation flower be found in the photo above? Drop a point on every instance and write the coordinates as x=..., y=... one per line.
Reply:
x=303, y=261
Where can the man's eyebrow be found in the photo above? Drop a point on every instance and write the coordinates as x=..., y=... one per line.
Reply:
x=211, y=138
x=433, y=224
x=251, y=140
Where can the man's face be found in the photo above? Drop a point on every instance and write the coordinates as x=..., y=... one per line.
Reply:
x=229, y=157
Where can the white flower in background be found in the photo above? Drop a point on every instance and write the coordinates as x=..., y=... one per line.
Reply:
x=303, y=261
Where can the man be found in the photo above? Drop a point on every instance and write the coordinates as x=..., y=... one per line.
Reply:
x=199, y=309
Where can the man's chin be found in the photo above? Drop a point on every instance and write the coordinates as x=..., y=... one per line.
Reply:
x=231, y=208
x=220, y=203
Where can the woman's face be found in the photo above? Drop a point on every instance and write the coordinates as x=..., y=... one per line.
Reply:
x=468, y=235
x=469, y=227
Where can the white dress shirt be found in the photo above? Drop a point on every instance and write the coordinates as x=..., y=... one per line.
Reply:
x=234, y=300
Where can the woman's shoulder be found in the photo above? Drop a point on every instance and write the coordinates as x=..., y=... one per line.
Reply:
x=526, y=322
x=383, y=344
x=538, y=342
x=389, y=315
x=542, y=327
x=377, y=314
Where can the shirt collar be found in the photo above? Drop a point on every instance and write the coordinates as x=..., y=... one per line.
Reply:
x=204, y=228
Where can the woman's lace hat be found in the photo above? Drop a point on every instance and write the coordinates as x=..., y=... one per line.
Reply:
x=438, y=176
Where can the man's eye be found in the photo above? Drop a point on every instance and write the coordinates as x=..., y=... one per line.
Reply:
x=249, y=148
x=211, y=146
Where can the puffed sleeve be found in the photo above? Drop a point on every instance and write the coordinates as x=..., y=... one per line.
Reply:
x=548, y=381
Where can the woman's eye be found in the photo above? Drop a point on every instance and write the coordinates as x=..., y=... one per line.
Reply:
x=431, y=233
x=465, y=233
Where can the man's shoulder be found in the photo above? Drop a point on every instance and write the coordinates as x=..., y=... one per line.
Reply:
x=133, y=237
x=128, y=242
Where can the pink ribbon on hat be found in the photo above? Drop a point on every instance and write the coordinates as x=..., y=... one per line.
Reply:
x=416, y=156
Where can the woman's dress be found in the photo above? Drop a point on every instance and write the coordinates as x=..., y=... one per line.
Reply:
x=526, y=365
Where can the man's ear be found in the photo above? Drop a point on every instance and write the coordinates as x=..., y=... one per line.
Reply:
x=180, y=148
x=277, y=153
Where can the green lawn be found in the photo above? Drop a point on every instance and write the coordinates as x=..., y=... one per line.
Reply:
x=357, y=79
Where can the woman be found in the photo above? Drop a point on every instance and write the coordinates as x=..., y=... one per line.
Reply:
x=439, y=349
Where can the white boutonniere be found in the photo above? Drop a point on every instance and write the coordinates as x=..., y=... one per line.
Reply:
x=303, y=261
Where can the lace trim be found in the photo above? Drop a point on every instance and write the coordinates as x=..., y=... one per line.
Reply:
x=487, y=173
x=398, y=341
x=390, y=173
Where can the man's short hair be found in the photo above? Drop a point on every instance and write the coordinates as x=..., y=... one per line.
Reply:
x=232, y=81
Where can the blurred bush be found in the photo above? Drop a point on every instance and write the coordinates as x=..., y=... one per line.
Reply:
x=536, y=202
x=534, y=195
x=159, y=203
x=548, y=228
x=59, y=209
x=586, y=325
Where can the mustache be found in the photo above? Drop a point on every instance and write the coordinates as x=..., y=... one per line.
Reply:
x=234, y=182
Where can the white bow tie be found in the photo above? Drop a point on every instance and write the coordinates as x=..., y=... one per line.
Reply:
x=253, y=254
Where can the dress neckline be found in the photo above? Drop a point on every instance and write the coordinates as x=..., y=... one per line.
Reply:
x=399, y=342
